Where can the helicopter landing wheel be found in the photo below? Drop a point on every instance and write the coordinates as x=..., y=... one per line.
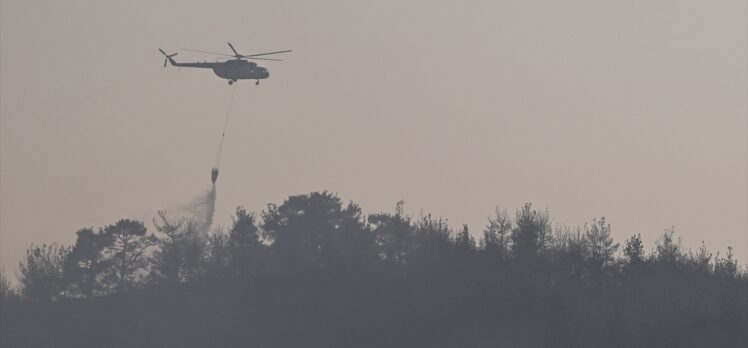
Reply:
x=231, y=82
x=257, y=83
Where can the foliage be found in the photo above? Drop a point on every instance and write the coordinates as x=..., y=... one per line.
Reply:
x=495, y=242
x=86, y=265
x=181, y=251
x=41, y=272
x=634, y=250
x=127, y=253
x=313, y=271
x=530, y=235
x=6, y=290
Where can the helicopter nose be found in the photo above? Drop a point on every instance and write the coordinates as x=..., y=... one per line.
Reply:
x=266, y=73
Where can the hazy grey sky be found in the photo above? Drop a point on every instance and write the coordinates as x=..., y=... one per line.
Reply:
x=635, y=110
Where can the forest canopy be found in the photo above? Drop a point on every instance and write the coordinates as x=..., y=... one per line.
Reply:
x=315, y=271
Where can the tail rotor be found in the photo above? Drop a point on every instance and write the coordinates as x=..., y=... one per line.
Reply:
x=167, y=57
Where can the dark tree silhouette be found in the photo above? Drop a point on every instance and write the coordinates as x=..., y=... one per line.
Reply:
x=168, y=259
x=495, y=242
x=393, y=235
x=668, y=249
x=727, y=266
x=634, y=250
x=41, y=272
x=315, y=230
x=6, y=290
x=217, y=256
x=86, y=264
x=315, y=272
x=245, y=244
x=702, y=260
x=530, y=235
x=601, y=254
x=181, y=252
x=127, y=252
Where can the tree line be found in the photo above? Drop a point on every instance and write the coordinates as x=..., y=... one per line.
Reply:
x=314, y=271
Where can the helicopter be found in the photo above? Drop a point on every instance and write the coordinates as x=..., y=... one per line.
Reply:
x=238, y=68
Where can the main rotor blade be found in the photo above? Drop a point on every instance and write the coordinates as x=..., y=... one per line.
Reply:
x=265, y=54
x=208, y=52
x=232, y=48
x=277, y=60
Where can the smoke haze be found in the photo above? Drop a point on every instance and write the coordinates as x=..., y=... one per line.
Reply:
x=200, y=210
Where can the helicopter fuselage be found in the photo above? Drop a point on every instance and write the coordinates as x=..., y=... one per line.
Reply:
x=232, y=70
x=238, y=69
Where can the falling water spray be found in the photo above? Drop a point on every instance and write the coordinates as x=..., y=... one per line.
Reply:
x=200, y=210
